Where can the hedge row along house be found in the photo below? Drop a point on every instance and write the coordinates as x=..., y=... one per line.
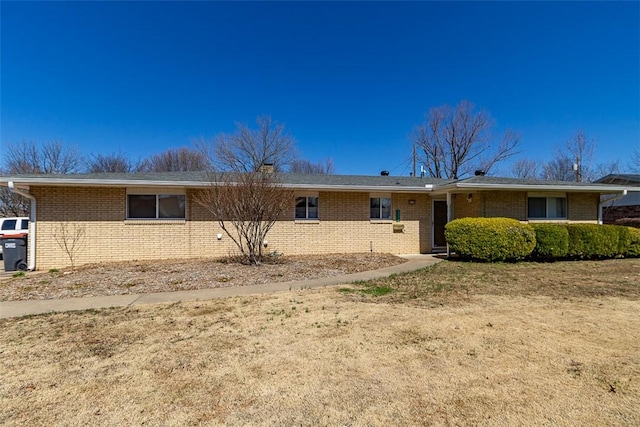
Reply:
x=150, y=216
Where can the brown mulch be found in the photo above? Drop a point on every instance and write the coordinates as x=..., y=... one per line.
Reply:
x=140, y=277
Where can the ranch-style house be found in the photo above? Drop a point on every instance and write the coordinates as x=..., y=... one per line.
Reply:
x=142, y=216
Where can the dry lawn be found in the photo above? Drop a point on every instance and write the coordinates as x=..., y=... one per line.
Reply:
x=142, y=277
x=456, y=344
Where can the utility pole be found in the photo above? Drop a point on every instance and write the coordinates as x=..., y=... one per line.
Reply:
x=414, y=159
x=577, y=168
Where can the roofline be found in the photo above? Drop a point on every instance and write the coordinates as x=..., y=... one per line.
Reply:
x=200, y=184
x=599, y=188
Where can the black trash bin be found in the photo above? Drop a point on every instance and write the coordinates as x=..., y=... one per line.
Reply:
x=14, y=251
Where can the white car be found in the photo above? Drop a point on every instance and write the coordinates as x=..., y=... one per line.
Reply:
x=13, y=225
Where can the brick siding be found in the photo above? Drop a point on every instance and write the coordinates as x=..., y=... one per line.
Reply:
x=612, y=213
x=343, y=226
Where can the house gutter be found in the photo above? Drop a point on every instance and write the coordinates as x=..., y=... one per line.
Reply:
x=32, y=220
x=602, y=188
x=205, y=184
x=610, y=199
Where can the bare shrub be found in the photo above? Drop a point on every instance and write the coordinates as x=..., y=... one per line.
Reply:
x=247, y=206
x=69, y=238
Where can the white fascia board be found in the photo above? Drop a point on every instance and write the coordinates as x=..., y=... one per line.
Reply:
x=66, y=182
x=605, y=189
x=361, y=188
x=25, y=182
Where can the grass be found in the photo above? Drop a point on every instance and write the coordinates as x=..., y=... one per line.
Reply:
x=455, y=344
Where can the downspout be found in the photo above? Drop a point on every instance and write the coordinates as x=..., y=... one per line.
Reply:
x=32, y=220
x=610, y=199
x=449, y=217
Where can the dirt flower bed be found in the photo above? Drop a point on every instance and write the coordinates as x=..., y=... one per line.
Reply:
x=139, y=277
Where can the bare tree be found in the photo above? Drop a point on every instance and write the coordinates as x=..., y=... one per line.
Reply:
x=559, y=169
x=31, y=158
x=12, y=204
x=581, y=148
x=457, y=140
x=526, y=169
x=603, y=169
x=69, y=238
x=116, y=162
x=176, y=160
x=49, y=158
x=248, y=149
x=573, y=161
x=323, y=167
x=635, y=160
x=246, y=205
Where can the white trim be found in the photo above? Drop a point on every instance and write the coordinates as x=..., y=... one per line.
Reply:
x=596, y=188
x=204, y=184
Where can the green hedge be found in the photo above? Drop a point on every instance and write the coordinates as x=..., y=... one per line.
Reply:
x=591, y=241
x=505, y=239
x=624, y=239
x=634, y=242
x=490, y=239
x=552, y=241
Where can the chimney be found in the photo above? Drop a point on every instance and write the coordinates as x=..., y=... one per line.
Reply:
x=266, y=168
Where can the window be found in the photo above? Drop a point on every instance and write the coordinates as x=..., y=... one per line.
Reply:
x=380, y=208
x=307, y=207
x=156, y=206
x=547, y=208
x=9, y=224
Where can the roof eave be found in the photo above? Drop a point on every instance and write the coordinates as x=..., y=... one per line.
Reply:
x=203, y=184
x=605, y=189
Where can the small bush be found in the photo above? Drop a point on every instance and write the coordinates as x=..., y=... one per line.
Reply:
x=490, y=239
x=592, y=241
x=634, y=243
x=552, y=241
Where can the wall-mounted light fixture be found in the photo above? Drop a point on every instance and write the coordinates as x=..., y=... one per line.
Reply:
x=219, y=236
x=469, y=198
x=412, y=202
x=265, y=243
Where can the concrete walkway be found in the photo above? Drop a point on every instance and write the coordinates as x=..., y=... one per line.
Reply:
x=24, y=308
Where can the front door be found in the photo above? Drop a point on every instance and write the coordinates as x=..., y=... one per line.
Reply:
x=439, y=221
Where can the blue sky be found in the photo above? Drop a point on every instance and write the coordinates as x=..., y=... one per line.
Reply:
x=349, y=79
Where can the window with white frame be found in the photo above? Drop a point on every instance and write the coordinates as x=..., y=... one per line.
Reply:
x=306, y=207
x=148, y=205
x=380, y=207
x=540, y=206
